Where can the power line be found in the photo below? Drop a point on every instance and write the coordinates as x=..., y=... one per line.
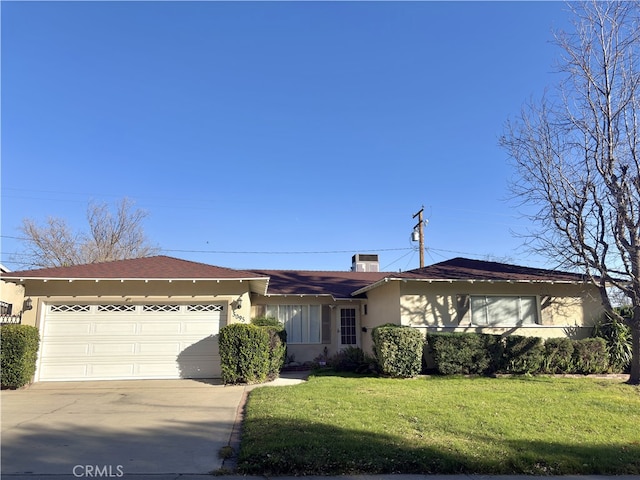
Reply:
x=299, y=252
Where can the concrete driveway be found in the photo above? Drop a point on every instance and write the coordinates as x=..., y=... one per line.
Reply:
x=117, y=428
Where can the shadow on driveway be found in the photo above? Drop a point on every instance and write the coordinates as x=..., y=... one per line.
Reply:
x=117, y=428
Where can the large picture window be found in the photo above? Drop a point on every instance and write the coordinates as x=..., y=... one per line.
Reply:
x=498, y=311
x=302, y=322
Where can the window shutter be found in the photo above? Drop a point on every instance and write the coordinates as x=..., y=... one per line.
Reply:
x=326, y=324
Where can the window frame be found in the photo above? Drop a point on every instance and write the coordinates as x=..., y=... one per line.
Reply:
x=307, y=322
x=521, y=318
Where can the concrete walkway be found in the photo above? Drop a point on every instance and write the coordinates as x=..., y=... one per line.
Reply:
x=144, y=430
x=116, y=428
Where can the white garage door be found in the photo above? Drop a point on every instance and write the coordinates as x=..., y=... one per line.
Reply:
x=129, y=341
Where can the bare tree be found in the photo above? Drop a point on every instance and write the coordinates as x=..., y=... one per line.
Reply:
x=110, y=237
x=577, y=156
x=51, y=245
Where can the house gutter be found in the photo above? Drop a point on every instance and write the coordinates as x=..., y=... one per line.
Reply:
x=454, y=280
x=255, y=283
x=307, y=295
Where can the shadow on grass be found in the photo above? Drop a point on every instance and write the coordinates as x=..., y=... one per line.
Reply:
x=278, y=446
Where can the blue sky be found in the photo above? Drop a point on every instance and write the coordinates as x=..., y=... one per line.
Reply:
x=274, y=127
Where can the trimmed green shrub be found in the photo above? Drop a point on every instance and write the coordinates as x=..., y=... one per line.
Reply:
x=18, y=353
x=398, y=350
x=244, y=353
x=277, y=343
x=618, y=338
x=590, y=355
x=523, y=354
x=495, y=350
x=266, y=322
x=352, y=359
x=558, y=355
x=466, y=353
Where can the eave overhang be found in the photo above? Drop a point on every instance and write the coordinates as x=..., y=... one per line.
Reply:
x=308, y=295
x=257, y=285
x=463, y=281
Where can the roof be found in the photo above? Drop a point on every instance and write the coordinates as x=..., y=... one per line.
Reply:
x=338, y=284
x=468, y=269
x=148, y=268
x=465, y=269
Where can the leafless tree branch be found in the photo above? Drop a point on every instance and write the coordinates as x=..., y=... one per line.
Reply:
x=110, y=237
x=576, y=156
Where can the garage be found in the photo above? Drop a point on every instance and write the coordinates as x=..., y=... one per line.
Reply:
x=115, y=341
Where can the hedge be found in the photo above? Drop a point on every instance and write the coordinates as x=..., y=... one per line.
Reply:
x=523, y=354
x=398, y=350
x=352, y=359
x=558, y=356
x=466, y=353
x=277, y=343
x=590, y=355
x=483, y=354
x=244, y=353
x=18, y=354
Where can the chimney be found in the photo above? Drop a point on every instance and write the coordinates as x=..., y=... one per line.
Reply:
x=365, y=262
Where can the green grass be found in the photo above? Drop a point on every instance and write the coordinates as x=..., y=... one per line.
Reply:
x=516, y=425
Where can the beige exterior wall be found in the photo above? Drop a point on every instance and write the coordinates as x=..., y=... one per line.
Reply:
x=13, y=294
x=136, y=291
x=383, y=306
x=542, y=332
x=564, y=309
x=307, y=352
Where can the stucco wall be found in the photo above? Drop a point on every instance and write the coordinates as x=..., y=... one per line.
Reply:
x=107, y=291
x=13, y=294
x=441, y=304
x=307, y=352
x=383, y=306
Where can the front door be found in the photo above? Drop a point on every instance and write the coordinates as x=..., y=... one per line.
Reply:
x=347, y=327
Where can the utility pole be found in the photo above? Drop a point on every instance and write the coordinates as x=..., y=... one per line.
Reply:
x=420, y=227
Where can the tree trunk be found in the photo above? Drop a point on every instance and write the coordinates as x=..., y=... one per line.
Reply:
x=634, y=378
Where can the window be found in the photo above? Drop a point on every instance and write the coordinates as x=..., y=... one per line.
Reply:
x=302, y=322
x=160, y=308
x=348, y=326
x=5, y=308
x=69, y=308
x=126, y=307
x=200, y=308
x=488, y=310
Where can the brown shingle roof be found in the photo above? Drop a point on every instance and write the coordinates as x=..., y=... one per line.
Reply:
x=301, y=282
x=338, y=284
x=157, y=267
x=467, y=269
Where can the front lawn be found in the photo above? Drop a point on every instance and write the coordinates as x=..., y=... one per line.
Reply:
x=517, y=425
